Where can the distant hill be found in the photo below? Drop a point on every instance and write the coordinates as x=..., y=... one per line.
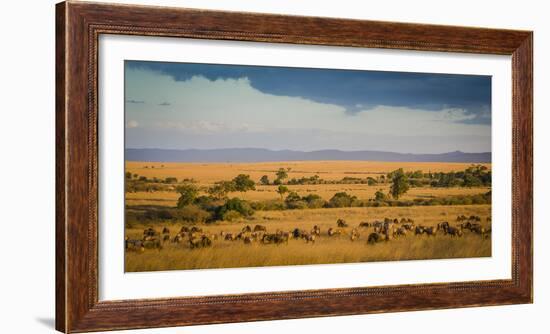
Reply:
x=264, y=155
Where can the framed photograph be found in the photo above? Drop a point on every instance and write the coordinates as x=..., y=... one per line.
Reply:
x=224, y=167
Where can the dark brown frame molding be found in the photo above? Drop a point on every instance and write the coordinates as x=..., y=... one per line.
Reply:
x=78, y=26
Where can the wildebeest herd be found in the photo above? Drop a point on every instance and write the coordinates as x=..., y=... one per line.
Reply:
x=374, y=231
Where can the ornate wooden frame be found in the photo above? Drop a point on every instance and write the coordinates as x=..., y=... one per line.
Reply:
x=78, y=25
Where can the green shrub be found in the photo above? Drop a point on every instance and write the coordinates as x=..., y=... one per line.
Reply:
x=193, y=213
x=341, y=200
x=234, y=204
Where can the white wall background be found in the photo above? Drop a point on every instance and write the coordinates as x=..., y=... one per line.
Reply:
x=27, y=70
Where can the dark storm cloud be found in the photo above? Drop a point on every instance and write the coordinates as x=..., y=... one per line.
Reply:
x=352, y=89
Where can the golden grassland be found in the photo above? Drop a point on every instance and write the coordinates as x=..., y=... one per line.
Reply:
x=228, y=254
x=205, y=174
x=326, y=191
x=208, y=173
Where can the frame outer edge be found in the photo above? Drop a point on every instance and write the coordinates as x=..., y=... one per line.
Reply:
x=77, y=310
x=61, y=318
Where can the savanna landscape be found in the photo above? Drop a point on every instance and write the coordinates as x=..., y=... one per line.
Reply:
x=303, y=212
x=230, y=166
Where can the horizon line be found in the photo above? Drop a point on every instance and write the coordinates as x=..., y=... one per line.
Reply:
x=302, y=151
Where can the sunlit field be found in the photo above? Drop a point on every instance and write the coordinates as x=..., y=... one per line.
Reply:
x=350, y=244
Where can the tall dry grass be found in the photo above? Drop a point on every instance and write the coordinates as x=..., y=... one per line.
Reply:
x=228, y=254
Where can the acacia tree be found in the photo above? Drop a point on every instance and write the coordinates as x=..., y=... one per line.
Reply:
x=281, y=175
x=264, y=180
x=188, y=193
x=281, y=190
x=400, y=183
x=243, y=183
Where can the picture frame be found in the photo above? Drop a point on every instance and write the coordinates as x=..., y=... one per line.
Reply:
x=78, y=28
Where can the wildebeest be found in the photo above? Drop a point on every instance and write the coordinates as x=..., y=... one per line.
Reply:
x=166, y=238
x=400, y=231
x=178, y=238
x=184, y=229
x=229, y=236
x=152, y=243
x=354, y=235
x=364, y=224
x=309, y=238
x=332, y=232
x=408, y=226
x=199, y=242
x=259, y=228
x=273, y=238
x=443, y=226
x=475, y=218
x=430, y=231
x=133, y=244
x=374, y=238
x=150, y=232
x=247, y=240
x=419, y=230
x=165, y=230
x=341, y=223
x=297, y=233
x=316, y=230
x=247, y=228
x=195, y=229
x=461, y=218
x=453, y=231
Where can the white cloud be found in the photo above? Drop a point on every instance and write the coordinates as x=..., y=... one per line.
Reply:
x=230, y=108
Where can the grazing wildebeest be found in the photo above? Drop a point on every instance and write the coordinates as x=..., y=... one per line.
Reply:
x=247, y=228
x=316, y=230
x=341, y=223
x=408, y=226
x=133, y=244
x=395, y=221
x=247, y=240
x=374, y=238
x=165, y=230
x=309, y=238
x=430, y=231
x=166, y=238
x=150, y=232
x=229, y=236
x=195, y=229
x=259, y=228
x=332, y=232
x=461, y=218
x=364, y=224
x=400, y=231
x=273, y=238
x=475, y=218
x=354, y=235
x=202, y=241
x=178, y=238
x=419, y=230
x=284, y=236
x=297, y=233
x=443, y=226
x=184, y=229
x=152, y=243
x=453, y=231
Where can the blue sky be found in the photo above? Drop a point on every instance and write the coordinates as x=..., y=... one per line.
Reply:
x=182, y=105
